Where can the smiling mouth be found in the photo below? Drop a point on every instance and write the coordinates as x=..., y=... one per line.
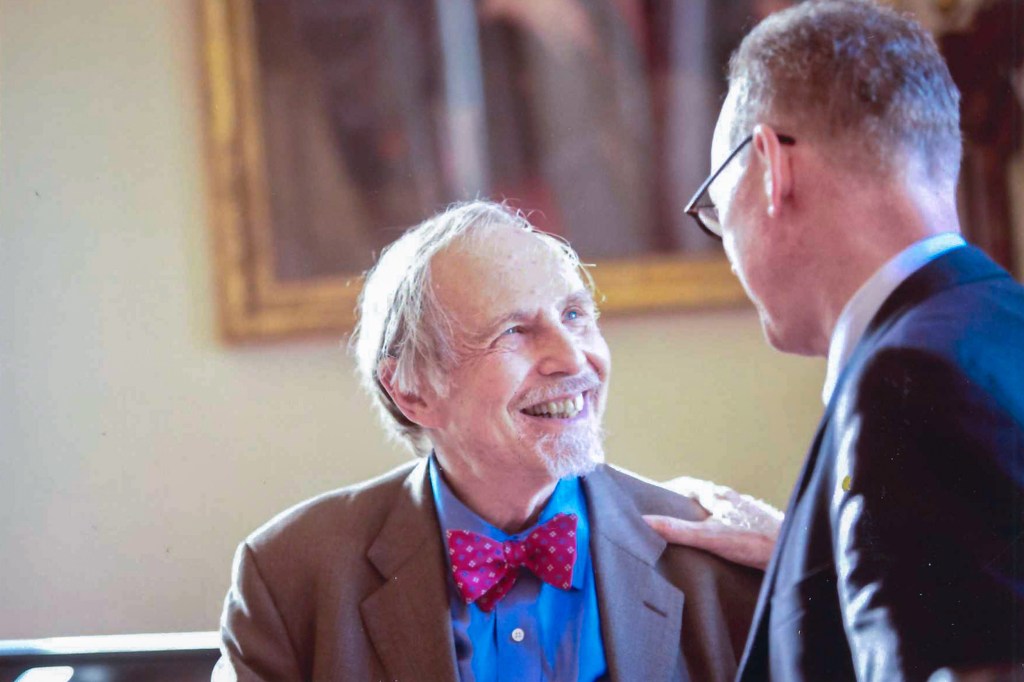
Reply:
x=558, y=409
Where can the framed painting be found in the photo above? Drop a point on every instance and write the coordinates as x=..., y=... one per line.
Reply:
x=335, y=125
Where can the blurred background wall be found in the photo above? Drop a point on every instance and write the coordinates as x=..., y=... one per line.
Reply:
x=137, y=450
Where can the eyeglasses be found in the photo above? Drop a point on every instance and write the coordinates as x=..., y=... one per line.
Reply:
x=702, y=209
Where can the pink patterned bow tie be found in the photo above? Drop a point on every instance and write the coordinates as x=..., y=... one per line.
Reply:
x=485, y=569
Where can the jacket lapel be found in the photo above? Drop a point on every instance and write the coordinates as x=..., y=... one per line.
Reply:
x=408, y=618
x=641, y=612
x=754, y=662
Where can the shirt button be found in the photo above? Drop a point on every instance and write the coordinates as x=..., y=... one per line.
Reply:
x=518, y=635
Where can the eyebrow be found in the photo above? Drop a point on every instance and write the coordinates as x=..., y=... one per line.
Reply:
x=580, y=298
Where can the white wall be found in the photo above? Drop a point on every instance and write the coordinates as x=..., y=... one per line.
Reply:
x=136, y=449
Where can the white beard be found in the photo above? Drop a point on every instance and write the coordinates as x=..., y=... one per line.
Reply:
x=573, y=453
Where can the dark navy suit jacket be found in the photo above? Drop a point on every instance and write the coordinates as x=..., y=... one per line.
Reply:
x=902, y=549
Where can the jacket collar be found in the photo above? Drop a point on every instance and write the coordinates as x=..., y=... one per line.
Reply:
x=954, y=268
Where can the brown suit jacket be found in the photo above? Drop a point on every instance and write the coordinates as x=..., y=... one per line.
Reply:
x=353, y=585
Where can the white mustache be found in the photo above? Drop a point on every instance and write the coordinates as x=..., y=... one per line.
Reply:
x=578, y=384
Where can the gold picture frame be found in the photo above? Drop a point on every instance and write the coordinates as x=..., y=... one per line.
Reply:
x=255, y=304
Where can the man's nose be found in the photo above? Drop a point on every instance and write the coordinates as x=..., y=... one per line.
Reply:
x=561, y=353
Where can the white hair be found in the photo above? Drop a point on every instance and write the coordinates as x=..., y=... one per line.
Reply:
x=400, y=320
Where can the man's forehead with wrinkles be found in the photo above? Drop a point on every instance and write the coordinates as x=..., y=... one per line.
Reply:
x=498, y=274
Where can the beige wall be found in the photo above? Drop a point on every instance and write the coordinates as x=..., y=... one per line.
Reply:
x=137, y=450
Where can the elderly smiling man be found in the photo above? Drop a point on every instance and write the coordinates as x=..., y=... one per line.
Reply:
x=509, y=551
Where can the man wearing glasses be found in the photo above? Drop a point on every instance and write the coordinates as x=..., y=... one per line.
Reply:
x=837, y=153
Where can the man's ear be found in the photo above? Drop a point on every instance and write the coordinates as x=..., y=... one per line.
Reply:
x=776, y=164
x=420, y=408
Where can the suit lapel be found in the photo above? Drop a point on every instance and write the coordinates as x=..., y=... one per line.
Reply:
x=408, y=618
x=641, y=612
x=754, y=663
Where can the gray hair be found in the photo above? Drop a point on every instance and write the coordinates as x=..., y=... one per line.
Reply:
x=850, y=70
x=399, y=316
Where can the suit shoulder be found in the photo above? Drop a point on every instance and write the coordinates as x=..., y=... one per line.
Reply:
x=962, y=319
x=348, y=513
x=651, y=497
x=720, y=595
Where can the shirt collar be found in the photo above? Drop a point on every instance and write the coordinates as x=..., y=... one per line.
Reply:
x=859, y=310
x=567, y=498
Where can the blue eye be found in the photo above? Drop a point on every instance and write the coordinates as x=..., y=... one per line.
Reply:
x=512, y=330
x=573, y=314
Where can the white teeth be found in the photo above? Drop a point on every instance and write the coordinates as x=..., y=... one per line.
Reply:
x=563, y=409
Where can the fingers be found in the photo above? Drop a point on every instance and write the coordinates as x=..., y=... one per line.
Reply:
x=729, y=506
x=740, y=528
x=710, y=535
x=745, y=547
x=700, y=534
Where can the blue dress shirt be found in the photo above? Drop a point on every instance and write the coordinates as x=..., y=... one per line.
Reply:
x=537, y=632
